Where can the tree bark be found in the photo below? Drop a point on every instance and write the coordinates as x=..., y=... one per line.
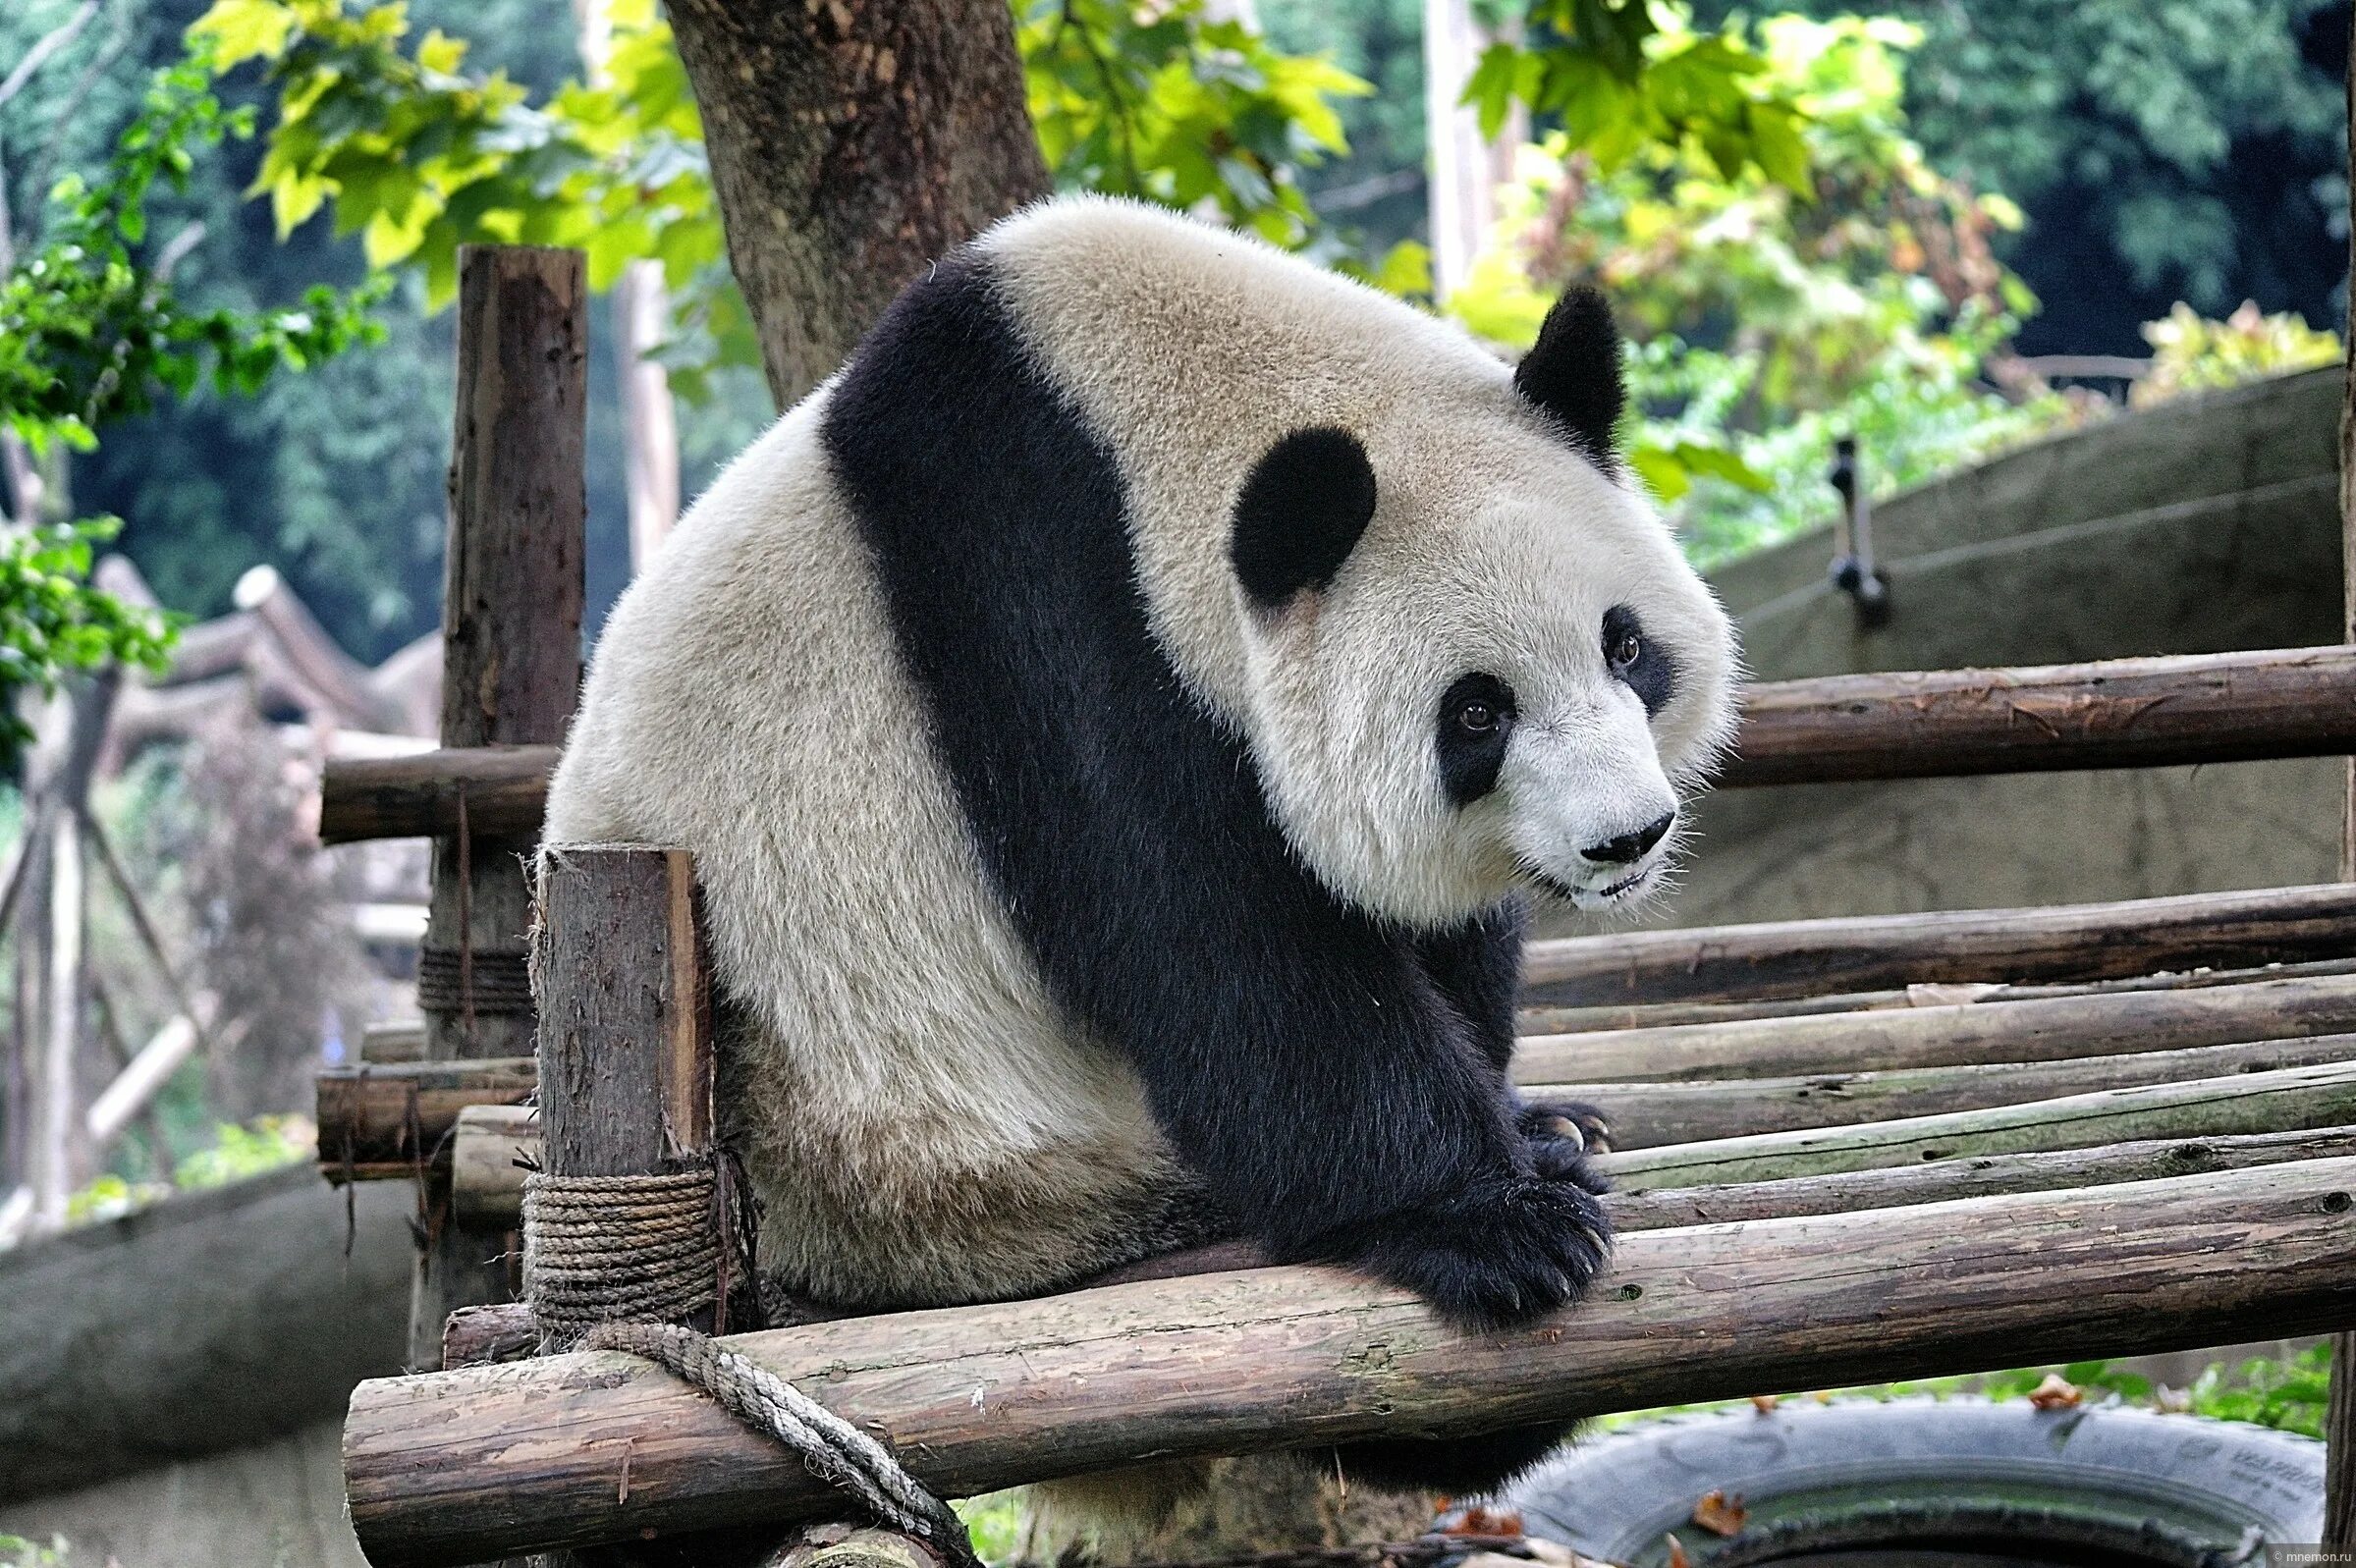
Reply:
x=852, y=142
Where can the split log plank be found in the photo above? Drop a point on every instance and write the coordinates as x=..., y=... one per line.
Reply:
x=1874, y=952
x=2050, y=1030
x=2121, y=712
x=1980, y=1176
x=1543, y=1020
x=2292, y=1099
x=573, y=1451
x=1648, y=1115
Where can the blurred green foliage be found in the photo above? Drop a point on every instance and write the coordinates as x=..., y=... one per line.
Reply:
x=2178, y=149
x=2190, y=353
x=92, y=330
x=1768, y=318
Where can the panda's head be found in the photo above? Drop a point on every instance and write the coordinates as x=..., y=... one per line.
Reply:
x=1477, y=659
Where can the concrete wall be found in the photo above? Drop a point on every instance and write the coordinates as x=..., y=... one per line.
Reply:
x=171, y=1383
x=2200, y=526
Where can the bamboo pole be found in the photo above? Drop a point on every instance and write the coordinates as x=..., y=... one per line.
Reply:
x=1945, y=1037
x=571, y=1450
x=2293, y=1099
x=2052, y=943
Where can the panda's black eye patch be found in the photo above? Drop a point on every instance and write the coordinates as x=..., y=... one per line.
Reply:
x=1636, y=660
x=1477, y=718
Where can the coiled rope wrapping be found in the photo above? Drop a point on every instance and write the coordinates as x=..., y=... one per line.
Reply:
x=606, y=1259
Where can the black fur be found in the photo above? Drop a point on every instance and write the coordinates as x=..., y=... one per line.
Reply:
x=1301, y=513
x=1573, y=373
x=1654, y=675
x=1300, y=1055
x=1469, y=760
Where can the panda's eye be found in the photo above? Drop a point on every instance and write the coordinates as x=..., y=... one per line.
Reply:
x=1477, y=718
x=1622, y=647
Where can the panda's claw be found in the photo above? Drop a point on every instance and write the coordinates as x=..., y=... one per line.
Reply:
x=1501, y=1251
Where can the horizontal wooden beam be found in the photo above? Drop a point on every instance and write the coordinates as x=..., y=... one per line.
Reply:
x=469, y=1465
x=2052, y=1030
x=2287, y=1100
x=1970, y=1176
x=383, y=1121
x=379, y=1121
x=504, y=790
x=1543, y=1020
x=2056, y=942
x=2121, y=712
x=1648, y=1116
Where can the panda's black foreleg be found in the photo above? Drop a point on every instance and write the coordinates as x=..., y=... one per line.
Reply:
x=1460, y=1467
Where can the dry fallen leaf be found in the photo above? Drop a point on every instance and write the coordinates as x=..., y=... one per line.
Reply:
x=1677, y=1552
x=2056, y=1393
x=1480, y=1521
x=1721, y=1514
x=1762, y=1403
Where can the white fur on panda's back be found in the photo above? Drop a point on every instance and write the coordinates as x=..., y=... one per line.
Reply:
x=925, y=1127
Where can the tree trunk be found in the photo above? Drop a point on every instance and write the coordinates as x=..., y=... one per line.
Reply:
x=852, y=142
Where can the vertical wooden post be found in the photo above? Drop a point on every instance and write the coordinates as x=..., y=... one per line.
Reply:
x=625, y=1032
x=510, y=672
x=2339, y=1417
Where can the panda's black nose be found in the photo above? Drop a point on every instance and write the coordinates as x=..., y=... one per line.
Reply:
x=1629, y=845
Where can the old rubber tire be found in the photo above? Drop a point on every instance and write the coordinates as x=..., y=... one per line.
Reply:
x=1927, y=1484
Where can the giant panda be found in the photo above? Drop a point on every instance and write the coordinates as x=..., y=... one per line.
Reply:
x=1117, y=719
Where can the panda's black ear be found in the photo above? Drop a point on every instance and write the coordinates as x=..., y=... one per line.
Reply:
x=1573, y=373
x=1303, y=507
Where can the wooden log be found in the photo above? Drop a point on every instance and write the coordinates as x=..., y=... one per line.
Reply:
x=451, y=1468
x=511, y=600
x=1947, y=1037
x=625, y=1027
x=2056, y=942
x=2120, y=713
x=1976, y=1176
x=1662, y=1014
x=394, y=1120
x=492, y=1149
x=1648, y=1115
x=505, y=789
x=1956, y=1033
x=2291, y=1099
x=494, y=1146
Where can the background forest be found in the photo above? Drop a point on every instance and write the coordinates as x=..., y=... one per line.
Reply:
x=2091, y=167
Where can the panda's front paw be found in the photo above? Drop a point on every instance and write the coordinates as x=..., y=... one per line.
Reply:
x=1502, y=1251
x=1561, y=1134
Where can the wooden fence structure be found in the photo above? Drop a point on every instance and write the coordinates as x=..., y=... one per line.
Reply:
x=1847, y=1149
